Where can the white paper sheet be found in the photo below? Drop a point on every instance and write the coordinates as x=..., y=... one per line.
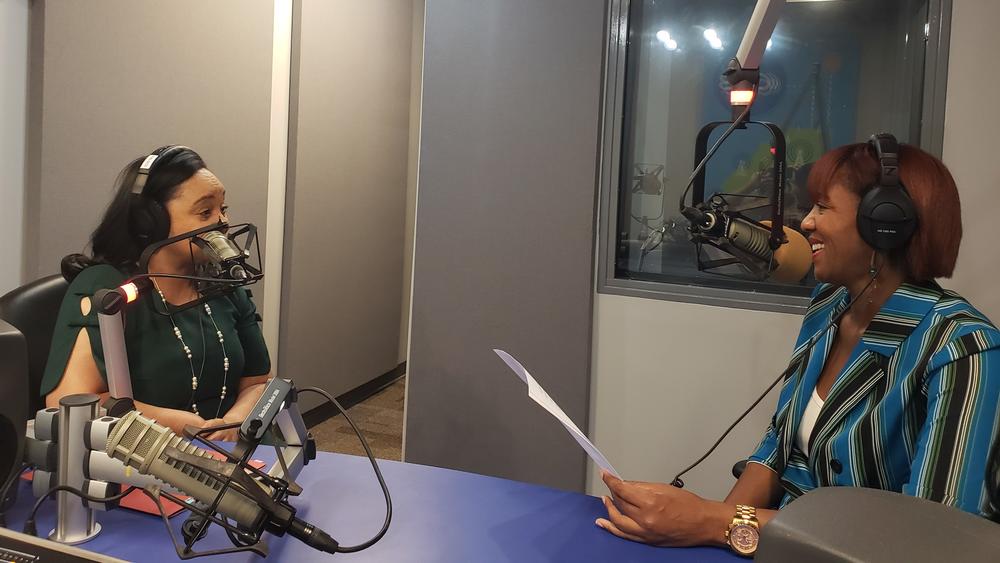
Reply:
x=539, y=395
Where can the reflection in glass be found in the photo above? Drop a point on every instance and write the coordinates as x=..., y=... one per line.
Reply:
x=834, y=72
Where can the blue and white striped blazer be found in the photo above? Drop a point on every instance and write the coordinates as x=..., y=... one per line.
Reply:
x=915, y=409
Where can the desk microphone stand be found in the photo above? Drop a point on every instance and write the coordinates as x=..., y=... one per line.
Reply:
x=75, y=520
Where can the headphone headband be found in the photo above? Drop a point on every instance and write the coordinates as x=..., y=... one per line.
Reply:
x=149, y=162
x=887, y=152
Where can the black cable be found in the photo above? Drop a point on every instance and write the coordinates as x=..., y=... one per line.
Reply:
x=378, y=474
x=185, y=277
x=29, y=524
x=6, y=489
x=736, y=123
x=694, y=174
x=677, y=482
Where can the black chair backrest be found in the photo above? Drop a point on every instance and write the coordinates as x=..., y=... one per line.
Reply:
x=13, y=406
x=993, y=482
x=33, y=309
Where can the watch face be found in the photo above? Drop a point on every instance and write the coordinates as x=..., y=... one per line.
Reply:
x=743, y=539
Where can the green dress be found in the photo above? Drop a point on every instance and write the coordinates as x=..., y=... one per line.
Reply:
x=161, y=373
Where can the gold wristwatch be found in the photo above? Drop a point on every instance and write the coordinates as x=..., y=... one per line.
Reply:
x=744, y=531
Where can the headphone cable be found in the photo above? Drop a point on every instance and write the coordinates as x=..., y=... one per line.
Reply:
x=793, y=365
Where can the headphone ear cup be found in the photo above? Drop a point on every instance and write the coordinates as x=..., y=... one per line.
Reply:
x=160, y=221
x=148, y=221
x=886, y=218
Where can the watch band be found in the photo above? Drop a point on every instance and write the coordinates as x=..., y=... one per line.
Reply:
x=744, y=512
x=743, y=533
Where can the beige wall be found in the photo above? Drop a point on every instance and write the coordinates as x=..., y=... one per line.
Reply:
x=668, y=377
x=119, y=78
x=13, y=116
x=346, y=203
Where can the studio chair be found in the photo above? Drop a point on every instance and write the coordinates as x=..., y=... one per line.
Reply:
x=32, y=309
x=739, y=467
x=27, y=319
x=831, y=524
x=853, y=524
x=13, y=404
x=993, y=482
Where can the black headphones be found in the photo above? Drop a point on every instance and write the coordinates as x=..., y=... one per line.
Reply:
x=886, y=215
x=148, y=220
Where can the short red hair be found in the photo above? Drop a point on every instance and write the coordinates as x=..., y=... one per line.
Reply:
x=933, y=249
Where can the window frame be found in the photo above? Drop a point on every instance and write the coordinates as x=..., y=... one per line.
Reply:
x=609, y=164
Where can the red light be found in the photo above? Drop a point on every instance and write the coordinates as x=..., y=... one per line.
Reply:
x=772, y=150
x=131, y=292
x=740, y=97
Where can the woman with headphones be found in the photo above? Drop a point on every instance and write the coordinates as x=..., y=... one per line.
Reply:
x=895, y=382
x=201, y=366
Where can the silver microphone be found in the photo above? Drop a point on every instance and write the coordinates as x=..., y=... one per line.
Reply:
x=152, y=449
x=224, y=254
x=155, y=450
x=791, y=261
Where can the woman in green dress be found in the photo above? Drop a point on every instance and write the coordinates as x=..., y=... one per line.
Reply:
x=202, y=366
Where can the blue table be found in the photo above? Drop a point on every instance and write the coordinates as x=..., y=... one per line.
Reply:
x=439, y=515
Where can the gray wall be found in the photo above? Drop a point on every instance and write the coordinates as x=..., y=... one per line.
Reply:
x=115, y=79
x=13, y=116
x=970, y=131
x=669, y=377
x=504, y=234
x=416, y=77
x=346, y=200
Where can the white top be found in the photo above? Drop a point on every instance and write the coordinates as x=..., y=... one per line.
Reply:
x=808, y=421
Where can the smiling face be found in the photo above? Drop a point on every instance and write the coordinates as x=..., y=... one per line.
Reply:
x=199, y=202
x=839, y=254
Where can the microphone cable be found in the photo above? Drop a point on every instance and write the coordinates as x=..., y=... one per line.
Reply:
x=29, y=525
x=378, y=474
x=203, y=298
x=711, y=152
x=182, y=277
x=6, y=489
x=647, y=247
x=794, y=364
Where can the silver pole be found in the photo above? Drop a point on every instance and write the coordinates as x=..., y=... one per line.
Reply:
x=75, y=523
x=115, y=355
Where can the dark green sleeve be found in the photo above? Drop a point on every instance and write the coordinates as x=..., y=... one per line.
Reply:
x=71, y=320
x=257, y=361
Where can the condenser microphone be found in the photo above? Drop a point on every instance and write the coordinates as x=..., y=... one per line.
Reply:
x=226, y=257
x=155, y=450
x=790, y=261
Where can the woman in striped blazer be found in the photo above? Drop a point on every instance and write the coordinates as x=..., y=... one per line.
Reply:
x=899, y=393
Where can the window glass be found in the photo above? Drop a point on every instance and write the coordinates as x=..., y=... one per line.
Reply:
x=834, y=73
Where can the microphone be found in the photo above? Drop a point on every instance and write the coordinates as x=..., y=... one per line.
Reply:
x=141, y=443
x=226, y=257
x=790, y=262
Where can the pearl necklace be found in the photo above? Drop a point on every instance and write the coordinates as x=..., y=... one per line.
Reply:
x=187, y=352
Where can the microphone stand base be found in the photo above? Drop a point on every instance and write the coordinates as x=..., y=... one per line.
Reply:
x=76, y=539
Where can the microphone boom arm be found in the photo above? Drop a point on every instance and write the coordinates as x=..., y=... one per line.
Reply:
x=777, y=237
